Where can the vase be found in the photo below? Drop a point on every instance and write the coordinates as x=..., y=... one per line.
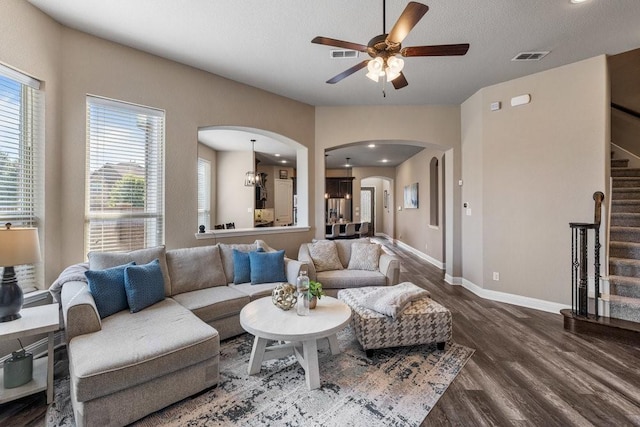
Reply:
x=312, y=302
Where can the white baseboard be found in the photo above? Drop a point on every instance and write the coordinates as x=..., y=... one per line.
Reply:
x=452, y=280
x=522, y=301
x=422, y=255
x=383, y=235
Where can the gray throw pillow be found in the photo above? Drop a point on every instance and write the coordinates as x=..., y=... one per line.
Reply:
x=192, y=269
x=324, y=255
x=226, y=253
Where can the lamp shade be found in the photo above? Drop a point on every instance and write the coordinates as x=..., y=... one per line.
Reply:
x=19, y=246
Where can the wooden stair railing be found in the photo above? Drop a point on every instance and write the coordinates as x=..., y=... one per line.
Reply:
x=579, y=261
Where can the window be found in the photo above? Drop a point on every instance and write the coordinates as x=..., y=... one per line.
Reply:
x=21, y=143
x=125, y=176
x=204, y=193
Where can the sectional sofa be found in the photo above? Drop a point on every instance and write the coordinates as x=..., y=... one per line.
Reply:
x=127, y=365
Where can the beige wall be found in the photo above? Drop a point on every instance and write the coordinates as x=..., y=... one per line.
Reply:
x=35, y=50
x=539, y=165
x=73, y=64
x=472, y=143
x=412, y=225
x=624, y=69
x=235, y=202
x=437, y=127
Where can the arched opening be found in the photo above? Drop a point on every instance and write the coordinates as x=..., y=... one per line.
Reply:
x=233, y=151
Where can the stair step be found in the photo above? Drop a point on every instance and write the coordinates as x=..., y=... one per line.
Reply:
x=629, y=250
x=624, y=234
x=624, y=267
x=626, y=193
x=624, y=308
x=624, y=286
x=625, y=219
x=626, y=181
x=619, y=163
x=628, y=205
x=625, y=171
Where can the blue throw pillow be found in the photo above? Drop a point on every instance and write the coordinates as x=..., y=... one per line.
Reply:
x=144, y=285
x=241, y=267
x=267, y=267
x=107, y=288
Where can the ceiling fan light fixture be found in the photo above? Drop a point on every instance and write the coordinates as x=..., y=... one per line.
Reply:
x=395, y=64
x=376, y=68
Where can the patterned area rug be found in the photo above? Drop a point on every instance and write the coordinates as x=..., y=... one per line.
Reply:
x=396, y=387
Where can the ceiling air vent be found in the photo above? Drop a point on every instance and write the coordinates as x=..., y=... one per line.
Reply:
x=343, y=53
x=530, y=56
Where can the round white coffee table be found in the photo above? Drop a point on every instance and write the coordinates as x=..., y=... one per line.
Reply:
x=300, y=333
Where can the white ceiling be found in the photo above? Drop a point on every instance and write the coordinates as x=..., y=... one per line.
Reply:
x=267, y=43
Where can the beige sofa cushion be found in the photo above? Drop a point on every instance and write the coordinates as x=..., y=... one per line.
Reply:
x=324, y=255
x=133, y=348
x=213, y=303
x=342, y=279
x=102, y=260
x=364, y=256
x=226, y=253
x=255, y=291
x=192, y=269
x=344, y=249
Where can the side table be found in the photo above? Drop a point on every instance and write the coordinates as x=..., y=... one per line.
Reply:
x=34, y=321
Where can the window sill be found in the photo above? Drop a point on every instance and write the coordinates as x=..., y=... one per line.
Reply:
x=239, y=232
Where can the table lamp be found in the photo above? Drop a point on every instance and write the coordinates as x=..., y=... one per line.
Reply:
x=18, y=246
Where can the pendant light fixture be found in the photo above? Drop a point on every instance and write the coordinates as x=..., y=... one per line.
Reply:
x=252, y=178
x=348, y=166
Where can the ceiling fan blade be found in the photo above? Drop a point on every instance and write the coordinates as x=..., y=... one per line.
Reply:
x=436, y=50
x=400, y=81
x=347, y=73
x=339, y=43
x=409, y=18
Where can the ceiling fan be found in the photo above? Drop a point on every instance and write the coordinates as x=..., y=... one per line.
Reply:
x=385, y=48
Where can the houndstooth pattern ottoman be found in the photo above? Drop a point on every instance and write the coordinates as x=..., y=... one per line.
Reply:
x=423, y=321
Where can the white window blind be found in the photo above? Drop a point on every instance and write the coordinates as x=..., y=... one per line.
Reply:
x=204, y=193
x=21, y=146
x=125, y=176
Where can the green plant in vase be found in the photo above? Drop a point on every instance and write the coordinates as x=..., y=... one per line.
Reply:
x=315, y=293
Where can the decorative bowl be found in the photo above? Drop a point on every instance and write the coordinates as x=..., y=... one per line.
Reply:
x=284, y=296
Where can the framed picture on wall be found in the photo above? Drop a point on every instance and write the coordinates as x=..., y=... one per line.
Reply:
x=284, y=174
x=411, y=196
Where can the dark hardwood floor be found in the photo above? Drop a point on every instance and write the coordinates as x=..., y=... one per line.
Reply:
x=526, y=371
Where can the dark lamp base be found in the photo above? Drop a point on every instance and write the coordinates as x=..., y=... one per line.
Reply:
x=11, y=297
x=10, y=317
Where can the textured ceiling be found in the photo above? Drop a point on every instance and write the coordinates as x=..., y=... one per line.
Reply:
x=267, y=43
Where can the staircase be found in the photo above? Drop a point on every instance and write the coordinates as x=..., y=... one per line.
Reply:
x=624, y=242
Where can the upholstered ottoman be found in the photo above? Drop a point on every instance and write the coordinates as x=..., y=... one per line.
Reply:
x=423, y=321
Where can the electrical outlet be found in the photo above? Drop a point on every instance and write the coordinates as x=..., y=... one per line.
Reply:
x=496, y=276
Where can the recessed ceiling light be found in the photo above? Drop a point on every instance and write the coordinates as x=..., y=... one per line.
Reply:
x=371, y=145
x=277, y=155
x=578, y=1
x=283, y=161
x=384, y=160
